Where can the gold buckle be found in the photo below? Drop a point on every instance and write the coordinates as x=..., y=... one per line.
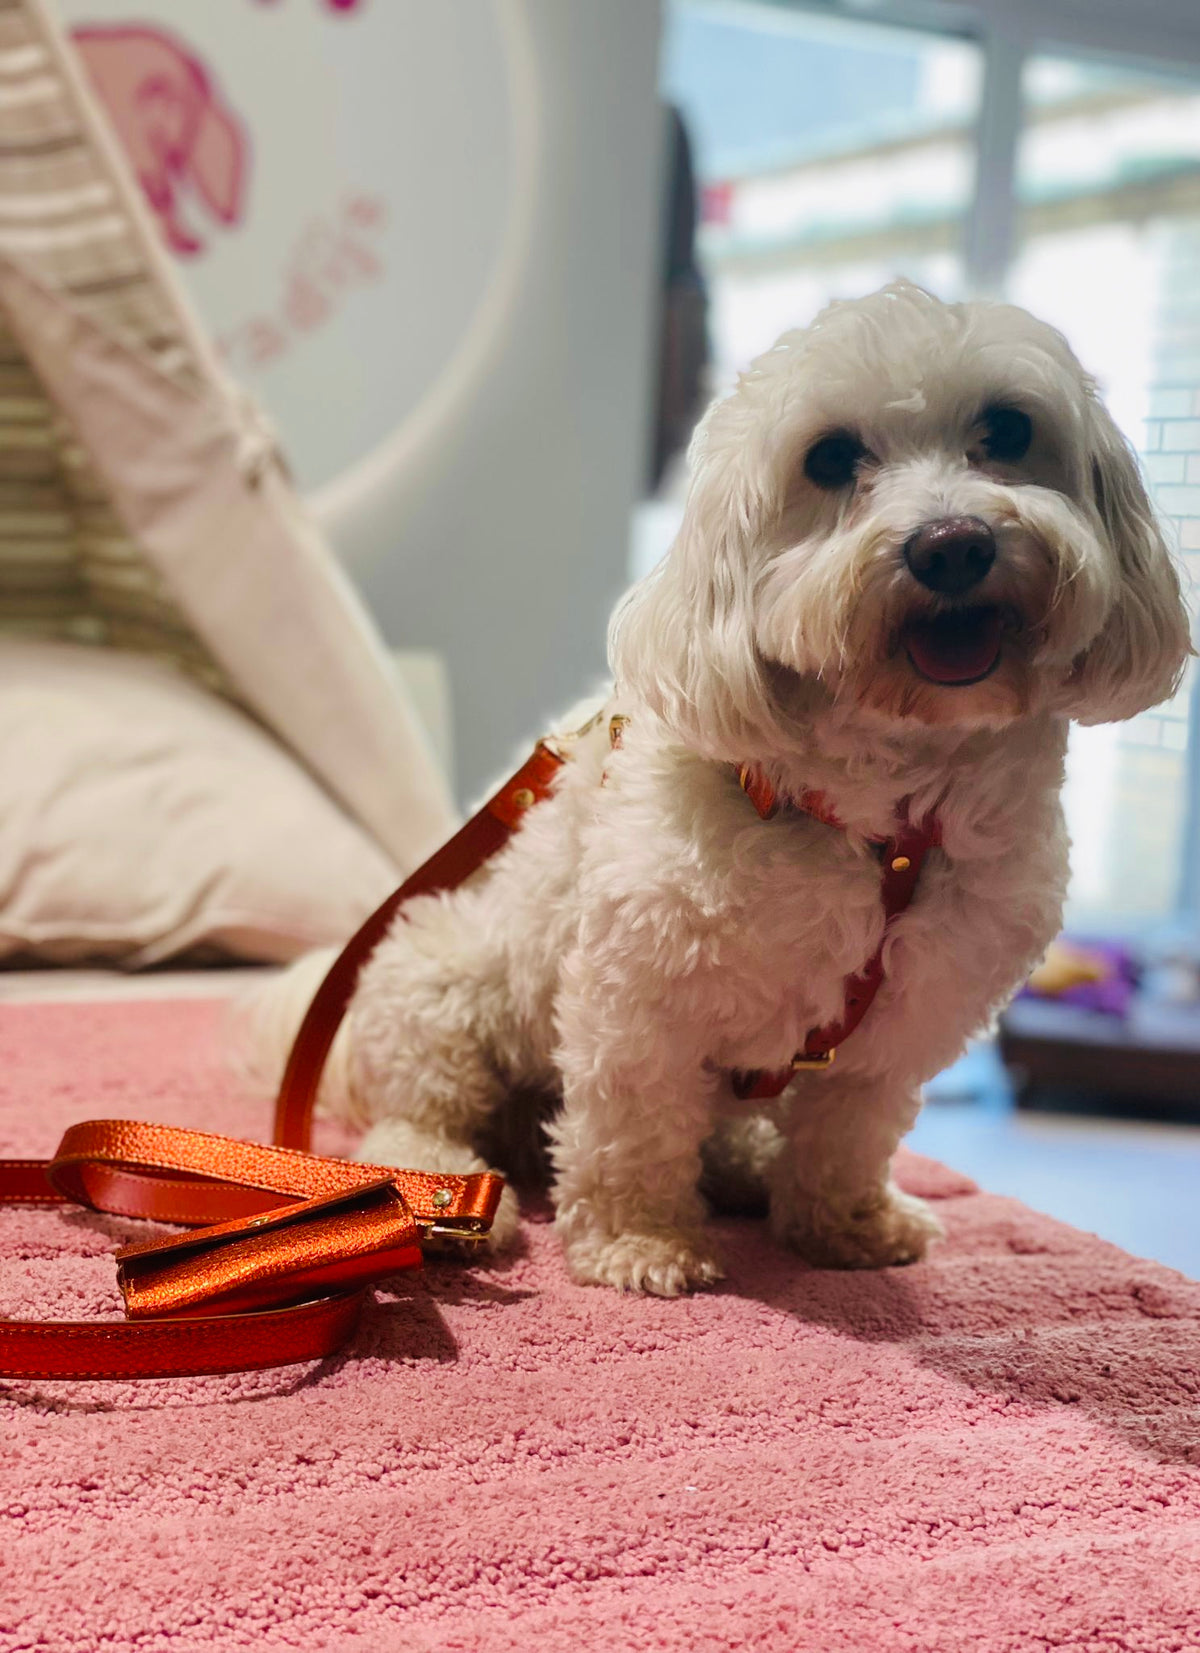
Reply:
x=800, y=1061
x=450, y=1239
x=559, y=743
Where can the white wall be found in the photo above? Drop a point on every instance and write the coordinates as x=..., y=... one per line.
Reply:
x=507, y=545
x=423, y=236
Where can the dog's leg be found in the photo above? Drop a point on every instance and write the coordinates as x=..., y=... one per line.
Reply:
x=831, y=1195
x=626, y=1147
x=430, y=1012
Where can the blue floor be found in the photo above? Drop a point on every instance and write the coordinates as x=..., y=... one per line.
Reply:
x=1135, y=1183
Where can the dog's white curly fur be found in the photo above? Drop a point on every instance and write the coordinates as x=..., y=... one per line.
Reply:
x=639, y=938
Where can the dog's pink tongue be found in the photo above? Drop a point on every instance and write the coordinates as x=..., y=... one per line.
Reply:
x=955, y=648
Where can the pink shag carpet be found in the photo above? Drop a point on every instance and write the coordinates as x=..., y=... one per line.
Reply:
x=995, y=1451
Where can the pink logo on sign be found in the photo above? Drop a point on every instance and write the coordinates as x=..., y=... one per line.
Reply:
x=181, y=136
x=336, y=253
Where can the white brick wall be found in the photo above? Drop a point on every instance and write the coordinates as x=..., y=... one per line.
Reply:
x=1179, y=435
x=1144, y=837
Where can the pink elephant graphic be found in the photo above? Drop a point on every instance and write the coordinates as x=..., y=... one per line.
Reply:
x=175, y=126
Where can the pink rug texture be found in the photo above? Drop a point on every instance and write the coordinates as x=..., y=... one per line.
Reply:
x=996, y=1451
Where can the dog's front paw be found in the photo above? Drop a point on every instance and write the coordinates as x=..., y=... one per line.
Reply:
x=663, y=1263
x=876, y=1232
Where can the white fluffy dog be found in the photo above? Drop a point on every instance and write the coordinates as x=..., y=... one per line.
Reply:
x=915, y=547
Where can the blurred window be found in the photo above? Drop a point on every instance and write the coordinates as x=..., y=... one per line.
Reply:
x=830, y=153
x=834, y=153
x=1108, y=249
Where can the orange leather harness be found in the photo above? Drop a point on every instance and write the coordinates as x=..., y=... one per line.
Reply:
x=283, y=1244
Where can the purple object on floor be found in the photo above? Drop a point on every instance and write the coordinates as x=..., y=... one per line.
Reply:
x=1113, y=994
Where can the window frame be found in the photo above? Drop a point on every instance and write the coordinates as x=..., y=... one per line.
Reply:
x=1165, y=35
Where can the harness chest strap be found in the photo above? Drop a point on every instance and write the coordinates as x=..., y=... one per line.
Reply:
x=902, y=855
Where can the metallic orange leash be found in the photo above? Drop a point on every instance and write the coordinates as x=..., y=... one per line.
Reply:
x=486, y=832
x=284, y=1244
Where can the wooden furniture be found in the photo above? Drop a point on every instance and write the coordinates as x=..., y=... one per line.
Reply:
x=1150, y=1061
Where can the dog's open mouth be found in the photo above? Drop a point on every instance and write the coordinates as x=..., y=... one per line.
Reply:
x=959, y=647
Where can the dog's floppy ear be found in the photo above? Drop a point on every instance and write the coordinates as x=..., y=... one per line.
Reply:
x=683, y=639
x=1139, y=655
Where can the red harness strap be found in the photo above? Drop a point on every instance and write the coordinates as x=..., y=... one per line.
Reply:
x=901, y=858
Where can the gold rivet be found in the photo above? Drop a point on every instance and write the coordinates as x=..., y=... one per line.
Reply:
x=522, y=797
x=442, y=1198
x=901, y=864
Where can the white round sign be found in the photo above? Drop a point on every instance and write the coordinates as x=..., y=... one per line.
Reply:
x=344, y=186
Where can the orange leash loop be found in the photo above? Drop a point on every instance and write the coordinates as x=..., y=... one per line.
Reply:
x=278, y=1223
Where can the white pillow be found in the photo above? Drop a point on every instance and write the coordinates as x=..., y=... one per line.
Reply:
x=141, y=818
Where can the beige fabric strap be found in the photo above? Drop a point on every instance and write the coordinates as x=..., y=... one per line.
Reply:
x=141, y=504
x=68, y=569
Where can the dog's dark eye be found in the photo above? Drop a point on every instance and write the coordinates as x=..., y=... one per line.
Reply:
x=833, y=461
x=1007, y=433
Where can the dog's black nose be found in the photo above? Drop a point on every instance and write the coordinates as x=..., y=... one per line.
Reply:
x=951, y=555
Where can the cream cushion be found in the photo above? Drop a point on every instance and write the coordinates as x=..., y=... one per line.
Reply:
x=142, y=818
